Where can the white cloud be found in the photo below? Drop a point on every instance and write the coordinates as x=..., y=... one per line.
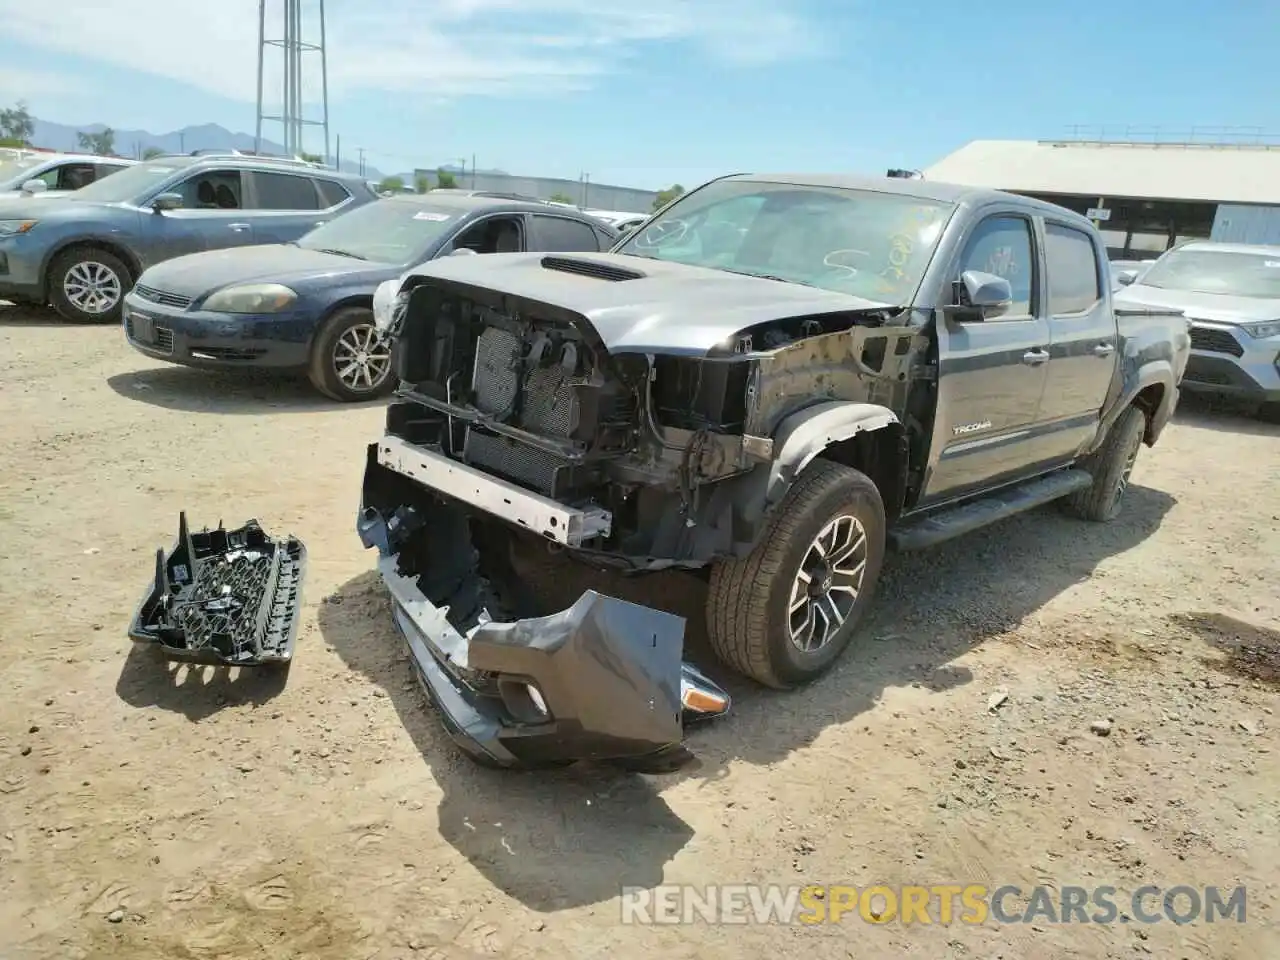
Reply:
x=446, y=48
x=19, y=84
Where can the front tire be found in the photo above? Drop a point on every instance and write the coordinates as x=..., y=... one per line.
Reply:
x=349, y=362
x=1110, y=466
x=784, y=613
x=88, y=284
x=1269, y=412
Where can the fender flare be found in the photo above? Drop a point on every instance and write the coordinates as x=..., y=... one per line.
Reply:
x=805, y=434
x=1157, y=372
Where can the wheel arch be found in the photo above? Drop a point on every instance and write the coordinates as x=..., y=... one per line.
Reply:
x=113, y=247
x=340, y=303
x=865, y=436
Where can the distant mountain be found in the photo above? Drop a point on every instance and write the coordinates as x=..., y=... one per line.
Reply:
x=133, y=143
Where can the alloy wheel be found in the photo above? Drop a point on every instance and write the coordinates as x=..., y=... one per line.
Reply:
x=92, y=287
x=361, y=359
x=827, y=585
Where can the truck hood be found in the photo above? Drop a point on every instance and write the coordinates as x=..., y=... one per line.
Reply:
x=196, y=274
x=1201, y=306
x=639, y=305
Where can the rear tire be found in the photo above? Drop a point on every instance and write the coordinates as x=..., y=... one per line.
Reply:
x=88, y=284
x=828, y=532
x=1110, y=466
x=348, y=362
x=1269, y=412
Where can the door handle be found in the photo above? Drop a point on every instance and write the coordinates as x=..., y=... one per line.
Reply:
x=1104, y=350
x=1035, y=357
x=238, y=227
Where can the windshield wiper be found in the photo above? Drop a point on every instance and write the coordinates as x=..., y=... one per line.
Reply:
x=767, y=276
x=341, y=253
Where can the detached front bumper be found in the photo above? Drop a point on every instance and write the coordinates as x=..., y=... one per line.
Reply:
x=600, y=680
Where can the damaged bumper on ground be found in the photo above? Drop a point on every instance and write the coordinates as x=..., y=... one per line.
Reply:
x=600, y=680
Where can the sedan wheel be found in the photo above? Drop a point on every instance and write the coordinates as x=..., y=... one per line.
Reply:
x=350, y=360
x=360, y=358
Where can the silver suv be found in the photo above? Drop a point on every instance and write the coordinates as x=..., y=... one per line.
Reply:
x=1231, y=294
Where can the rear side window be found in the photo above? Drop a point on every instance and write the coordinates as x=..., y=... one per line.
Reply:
x=1073, y=270
x=331, y=193
x=560, y=234
x=283, y=191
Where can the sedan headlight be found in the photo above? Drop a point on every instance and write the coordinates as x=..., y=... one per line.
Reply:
x=11, y=228
x=251, y=298
x=1262, y=331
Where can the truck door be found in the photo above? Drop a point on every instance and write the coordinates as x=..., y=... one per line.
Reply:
x=991, y=372
x=1082, y=340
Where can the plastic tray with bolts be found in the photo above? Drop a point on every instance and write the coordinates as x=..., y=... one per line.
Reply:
x=224, y=597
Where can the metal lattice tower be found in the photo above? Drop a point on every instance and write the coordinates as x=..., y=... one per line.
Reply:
x=293, y=45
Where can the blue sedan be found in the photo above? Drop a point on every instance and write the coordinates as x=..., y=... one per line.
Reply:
x=307, y=305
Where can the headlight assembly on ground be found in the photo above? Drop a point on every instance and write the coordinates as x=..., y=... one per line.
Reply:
x=11, y=228
x=971, y=904
x=251, y=298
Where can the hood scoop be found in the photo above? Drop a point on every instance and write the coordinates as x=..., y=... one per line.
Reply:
x=591, y=268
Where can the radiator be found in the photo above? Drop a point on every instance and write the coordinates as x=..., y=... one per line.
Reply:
x=546, y=408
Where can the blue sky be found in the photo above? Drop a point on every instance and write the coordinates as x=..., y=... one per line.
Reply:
x=663, y=91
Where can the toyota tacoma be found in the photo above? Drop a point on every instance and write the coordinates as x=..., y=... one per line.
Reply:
x=773, y=381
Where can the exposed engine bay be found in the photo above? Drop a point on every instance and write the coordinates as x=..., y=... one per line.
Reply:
x=522, y=426
x=643, y=442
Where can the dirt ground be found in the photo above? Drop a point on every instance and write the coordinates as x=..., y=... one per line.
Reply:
x=154, y=812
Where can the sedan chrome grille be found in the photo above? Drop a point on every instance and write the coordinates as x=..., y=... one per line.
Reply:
x=161, y=297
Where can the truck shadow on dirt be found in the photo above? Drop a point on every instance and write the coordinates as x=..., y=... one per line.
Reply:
x=1227, y=416
x=231, y=392
x=197, y=692
x=582, y=833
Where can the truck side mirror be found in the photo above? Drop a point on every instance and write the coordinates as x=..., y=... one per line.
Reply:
x=980, y=296
x=35, y=186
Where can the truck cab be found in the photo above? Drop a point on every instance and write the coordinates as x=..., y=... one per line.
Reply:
x=773, y=383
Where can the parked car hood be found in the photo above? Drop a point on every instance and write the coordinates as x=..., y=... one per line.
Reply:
x=46, y=195
x=60, y=204
x=1201, y=306
x=197, y=274
x=638, y=305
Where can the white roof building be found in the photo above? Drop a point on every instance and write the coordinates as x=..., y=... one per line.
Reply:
x=1213, y=173
x=1151, y=194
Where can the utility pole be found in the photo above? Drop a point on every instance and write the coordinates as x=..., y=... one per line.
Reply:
x=182, y=143
x=473, y=171
x=360, y=150
x=293, y=94
x=337, y=154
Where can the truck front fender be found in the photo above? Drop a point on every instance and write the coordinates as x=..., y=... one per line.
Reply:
x=807, y=433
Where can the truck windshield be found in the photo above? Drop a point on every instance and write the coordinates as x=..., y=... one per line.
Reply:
x=131, y=184
x=1228, y=272
x=861, y=242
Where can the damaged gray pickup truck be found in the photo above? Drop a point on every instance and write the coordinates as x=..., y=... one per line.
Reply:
x=773, y=381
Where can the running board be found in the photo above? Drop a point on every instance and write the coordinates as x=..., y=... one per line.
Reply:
x=935, y=528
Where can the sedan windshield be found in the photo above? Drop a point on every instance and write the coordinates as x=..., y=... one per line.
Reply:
x=1228, y=272
x=861, y=242
x=14, y=173
x=132, y=184
x=392, y=230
